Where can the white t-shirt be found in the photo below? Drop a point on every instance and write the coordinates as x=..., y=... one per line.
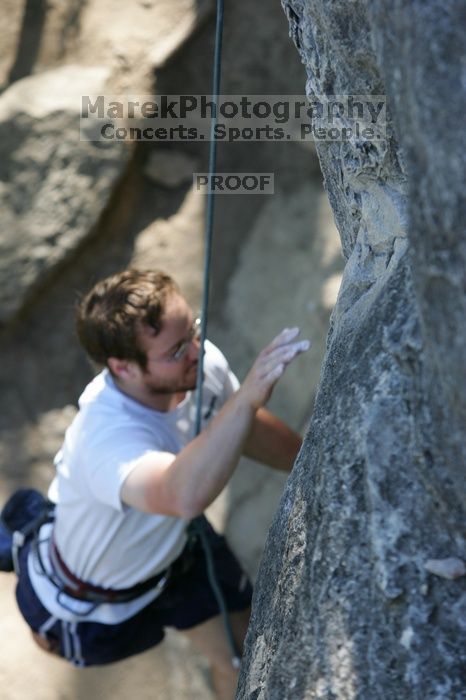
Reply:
x=101, y=540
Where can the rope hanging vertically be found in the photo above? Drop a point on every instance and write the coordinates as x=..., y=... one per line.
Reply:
x=197, y=525
x=209, y=213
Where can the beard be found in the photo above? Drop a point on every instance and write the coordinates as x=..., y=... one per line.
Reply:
x=179, y=386
x=155, y=389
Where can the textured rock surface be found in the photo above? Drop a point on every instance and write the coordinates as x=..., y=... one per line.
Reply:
x=344, y=607
x=53, y=187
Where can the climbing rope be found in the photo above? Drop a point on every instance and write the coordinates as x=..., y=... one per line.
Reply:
x=197, y=526
x=209, y=214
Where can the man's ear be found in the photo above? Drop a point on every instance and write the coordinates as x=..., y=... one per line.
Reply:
x=123, y=369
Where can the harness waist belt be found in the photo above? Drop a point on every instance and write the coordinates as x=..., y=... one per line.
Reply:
x=82, y=590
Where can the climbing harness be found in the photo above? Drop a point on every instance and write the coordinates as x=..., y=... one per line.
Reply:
x=197, y=525
x=70, y=584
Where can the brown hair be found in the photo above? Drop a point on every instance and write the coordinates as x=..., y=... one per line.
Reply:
x=109, y=317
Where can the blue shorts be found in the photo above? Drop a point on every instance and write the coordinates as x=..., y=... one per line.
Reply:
x=187, y=601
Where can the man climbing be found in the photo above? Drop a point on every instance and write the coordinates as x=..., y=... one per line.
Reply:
x=118, y=565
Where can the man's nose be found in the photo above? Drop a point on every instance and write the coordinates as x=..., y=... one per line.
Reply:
x=193, y=349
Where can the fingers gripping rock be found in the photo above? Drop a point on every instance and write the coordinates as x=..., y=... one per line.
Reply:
x=270, y=365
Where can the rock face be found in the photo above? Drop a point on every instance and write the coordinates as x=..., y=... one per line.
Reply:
x=345, y=606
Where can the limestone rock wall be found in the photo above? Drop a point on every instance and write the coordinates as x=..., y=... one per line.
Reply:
x=348, y=602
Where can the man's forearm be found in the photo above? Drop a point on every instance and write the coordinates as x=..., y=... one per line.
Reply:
x=203, y=468
x=272, y=442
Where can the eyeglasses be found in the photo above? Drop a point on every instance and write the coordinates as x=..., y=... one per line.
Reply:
x=183, y=347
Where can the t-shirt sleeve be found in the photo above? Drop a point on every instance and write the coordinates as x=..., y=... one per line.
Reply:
x=219, y=376
x=112, y=459
x=231, y=384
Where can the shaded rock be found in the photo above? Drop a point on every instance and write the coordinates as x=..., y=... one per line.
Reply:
x=53, y=187
x=297, y=227
x=130, y=39
x=140, y=38
x=344, y=607
x=176, y=244
x=188, y=23
x=23, y=29
x=170, y=168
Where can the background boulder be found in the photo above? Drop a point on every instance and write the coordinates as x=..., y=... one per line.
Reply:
x=54, y=187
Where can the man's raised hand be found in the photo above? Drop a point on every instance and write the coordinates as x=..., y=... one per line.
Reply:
x=270, y=365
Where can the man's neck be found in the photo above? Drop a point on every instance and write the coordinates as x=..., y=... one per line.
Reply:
x=163, y=402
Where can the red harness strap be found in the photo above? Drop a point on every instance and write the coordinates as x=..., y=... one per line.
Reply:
x=73, y=586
